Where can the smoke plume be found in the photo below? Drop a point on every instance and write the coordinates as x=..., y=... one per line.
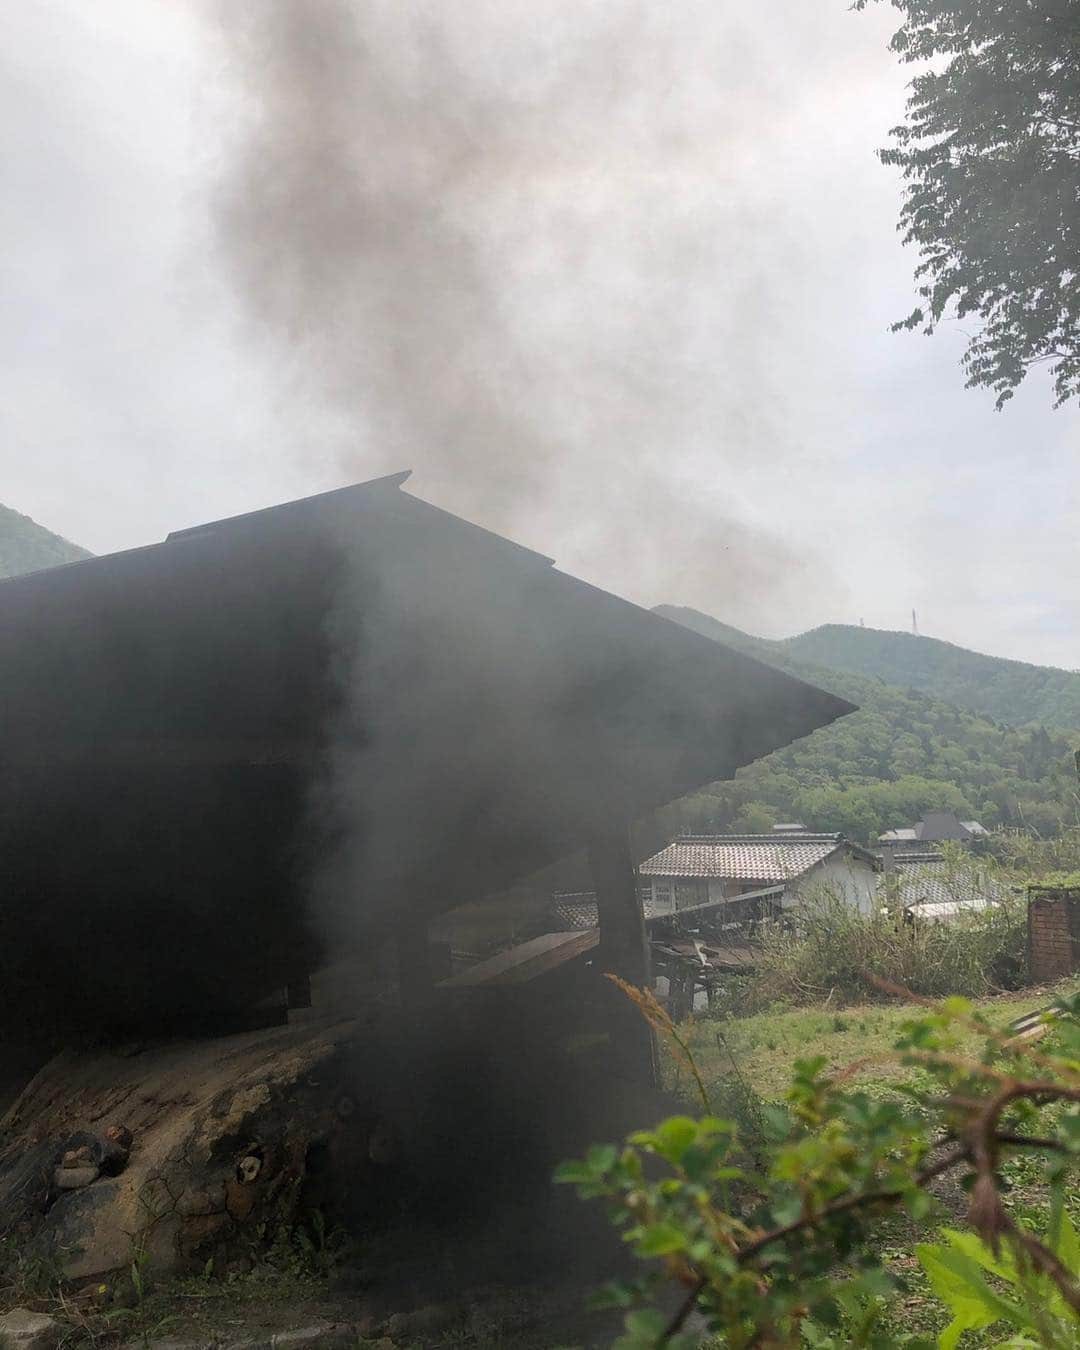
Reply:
x=485, y=242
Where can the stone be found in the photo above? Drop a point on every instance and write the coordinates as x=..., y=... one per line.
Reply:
x=24, y=1330
x=201, y=1200
x=75, y=1178
x=319, y=1336
x=88, y=1148
x=88, y=1231
x=248, y=1169
x=240, y=1200
x=119, y=1135
x=433, y=1318
x=200, y=1229
x=111, y=1157
x=195, y=1111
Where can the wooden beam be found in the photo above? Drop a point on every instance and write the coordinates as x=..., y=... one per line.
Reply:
x=527, y=961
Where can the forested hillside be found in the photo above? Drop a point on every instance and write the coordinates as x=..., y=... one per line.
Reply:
x=1008, y=691
x=26, y=546
x=903, y=753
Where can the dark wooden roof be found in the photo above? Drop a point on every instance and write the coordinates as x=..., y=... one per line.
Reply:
x=221, y=751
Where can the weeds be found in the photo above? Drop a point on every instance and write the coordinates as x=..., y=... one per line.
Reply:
x=829, y=950
x=25, y=1276
x=804, y=1262
x=305, y=1249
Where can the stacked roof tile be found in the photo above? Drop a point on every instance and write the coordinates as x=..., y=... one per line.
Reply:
x=742, y=857
x=577, y=909
x=933, y=884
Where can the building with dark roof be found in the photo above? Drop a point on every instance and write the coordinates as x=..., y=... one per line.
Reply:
x=936, y=827
x=269, y=740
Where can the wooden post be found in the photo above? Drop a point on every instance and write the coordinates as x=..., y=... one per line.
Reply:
x=684, y=986
x=892, y=881
x=623, y=950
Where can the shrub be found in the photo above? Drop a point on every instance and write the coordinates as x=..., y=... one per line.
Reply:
x=788, y=1252
x=828, y=949
x=1037, y=859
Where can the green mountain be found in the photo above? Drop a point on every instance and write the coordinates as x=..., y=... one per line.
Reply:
x=903, y=753
x=1008, y=691
x=26, y=546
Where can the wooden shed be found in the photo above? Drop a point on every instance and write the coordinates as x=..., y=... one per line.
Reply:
x=312, y=726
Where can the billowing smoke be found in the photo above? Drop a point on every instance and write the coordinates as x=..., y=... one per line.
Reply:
x=485, y=241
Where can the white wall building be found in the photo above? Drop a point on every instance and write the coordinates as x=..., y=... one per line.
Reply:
x=705, y=869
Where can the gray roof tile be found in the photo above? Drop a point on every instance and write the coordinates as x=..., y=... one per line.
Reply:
x=742, y=857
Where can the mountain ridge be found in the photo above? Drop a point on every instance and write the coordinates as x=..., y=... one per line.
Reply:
x=26, y=546
x=919, y=638
x=903, y=753
x=1019, y=693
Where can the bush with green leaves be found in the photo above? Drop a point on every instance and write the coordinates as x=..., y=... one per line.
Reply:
x=828, y=949
x=780, y=1251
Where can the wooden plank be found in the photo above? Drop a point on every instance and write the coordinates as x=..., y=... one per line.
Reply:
x=708, y=905
x=525, y=962
x=716, y=957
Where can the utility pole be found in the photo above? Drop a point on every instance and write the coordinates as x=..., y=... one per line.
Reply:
x=914, y=624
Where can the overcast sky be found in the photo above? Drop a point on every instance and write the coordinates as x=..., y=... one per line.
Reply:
x=613, y=277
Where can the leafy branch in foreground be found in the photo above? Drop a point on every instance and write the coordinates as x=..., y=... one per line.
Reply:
x=781, y=1255
x=990, y=154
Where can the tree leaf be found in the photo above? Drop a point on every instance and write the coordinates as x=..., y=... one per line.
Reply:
x=959, y=1283
x=661, y=1239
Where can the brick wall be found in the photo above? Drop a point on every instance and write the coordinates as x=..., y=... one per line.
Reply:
x=1053, y=933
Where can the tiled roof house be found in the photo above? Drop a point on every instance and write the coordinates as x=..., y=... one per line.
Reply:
x=700, y=869
x=706, y=869
x=934, y=828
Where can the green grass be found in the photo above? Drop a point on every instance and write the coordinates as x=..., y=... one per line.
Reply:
x=765, y=1046
x=758, y=1051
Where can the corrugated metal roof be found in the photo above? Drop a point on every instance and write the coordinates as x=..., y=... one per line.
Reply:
x=748, y=857
x=949, y=909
